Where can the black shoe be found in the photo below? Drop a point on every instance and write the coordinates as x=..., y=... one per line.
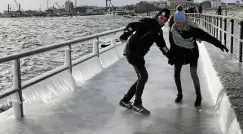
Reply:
x=198, y=101
x=179, y=98
x=140, y=109
x=127, y=105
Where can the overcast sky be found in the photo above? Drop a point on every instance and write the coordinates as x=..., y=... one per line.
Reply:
x=36, y=4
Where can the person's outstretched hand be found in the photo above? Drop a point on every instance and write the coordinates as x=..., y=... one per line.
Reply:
x=224, y=48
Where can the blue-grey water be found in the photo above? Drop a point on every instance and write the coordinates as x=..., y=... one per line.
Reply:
x=22, y=34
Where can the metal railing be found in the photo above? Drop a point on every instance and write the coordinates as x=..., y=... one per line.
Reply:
x=217, y=26
x=18, y=85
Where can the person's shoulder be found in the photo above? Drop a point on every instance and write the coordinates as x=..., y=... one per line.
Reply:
x=147, y=19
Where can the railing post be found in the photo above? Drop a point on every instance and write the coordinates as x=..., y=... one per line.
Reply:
x=217, y=27
x=214, y=28
x=113, y=42
x=205, y=23
x=194, y=17
x=225, y=30
x=211, y=25
x=240, y=43
x=18, y=106
x=220, y=30
x=231, y=37
x=96, y=48
x=199, y=21
x=68, y=58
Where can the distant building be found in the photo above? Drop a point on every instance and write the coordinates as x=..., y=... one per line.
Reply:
x=69, y=6
x=231, y=4
x=159, y=4
x=206, y=4
x=190, y=2
x=174, y=3
x=95, y=10
x=216, y=3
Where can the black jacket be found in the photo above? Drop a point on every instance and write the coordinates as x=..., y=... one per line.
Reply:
x=141, y=36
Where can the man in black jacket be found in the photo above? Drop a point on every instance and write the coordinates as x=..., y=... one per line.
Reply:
x=140, y=36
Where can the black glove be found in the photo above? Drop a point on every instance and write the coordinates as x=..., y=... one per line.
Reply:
x=223, y=48
x=170, y=57
x=171, y=61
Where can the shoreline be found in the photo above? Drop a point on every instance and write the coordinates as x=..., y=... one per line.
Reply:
x=52, y=16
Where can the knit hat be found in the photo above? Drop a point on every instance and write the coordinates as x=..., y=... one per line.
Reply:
x=179, y=16
x=163, y=12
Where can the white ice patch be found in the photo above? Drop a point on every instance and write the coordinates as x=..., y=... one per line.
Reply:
x=7, y=100
x=50, y=87
x=213, y=81
x=234, y=127
x=86, y=70
x=120, y=49
x=227, y=118
x=109, y=57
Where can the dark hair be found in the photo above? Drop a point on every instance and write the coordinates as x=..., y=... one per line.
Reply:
x=179, y=8
x=164, y=12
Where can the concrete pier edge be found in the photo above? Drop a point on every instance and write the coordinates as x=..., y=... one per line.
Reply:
x=227, y=117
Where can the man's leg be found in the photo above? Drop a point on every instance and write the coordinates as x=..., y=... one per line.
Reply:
x=142, y=79
x=177, y=77
x=139, y=66
x=125, y=102
x=131, y=92
x=196, y=82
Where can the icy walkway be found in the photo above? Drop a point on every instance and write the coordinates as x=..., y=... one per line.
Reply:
x=93, y=108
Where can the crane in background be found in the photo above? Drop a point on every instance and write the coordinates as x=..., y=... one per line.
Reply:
x=18, y=6
x=108, y=6
x=57, y=4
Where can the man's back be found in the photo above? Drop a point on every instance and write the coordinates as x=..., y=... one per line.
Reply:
x=142, y=39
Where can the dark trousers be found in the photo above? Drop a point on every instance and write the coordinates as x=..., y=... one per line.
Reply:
x=193, y=70
x=136, y=89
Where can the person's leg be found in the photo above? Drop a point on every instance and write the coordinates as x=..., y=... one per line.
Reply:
x=131, y=92
x=139, y=66
x=177, y=77
x=142, y=79
x=125, y=101
x=138, y=107
x=196, y=82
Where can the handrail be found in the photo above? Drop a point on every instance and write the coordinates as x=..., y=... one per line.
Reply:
x=219, y=16
x=214, y=24
x=222, y=30
x=56, y=46
x=18, y=86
